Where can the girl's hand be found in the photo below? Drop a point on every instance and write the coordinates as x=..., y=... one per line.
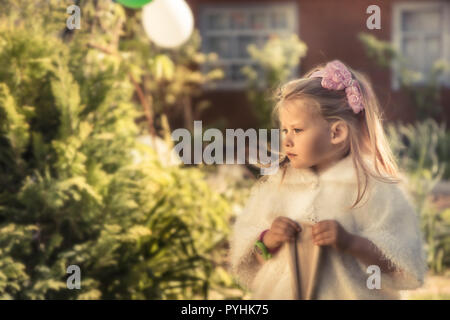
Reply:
x=283, y=229
x=330, y=232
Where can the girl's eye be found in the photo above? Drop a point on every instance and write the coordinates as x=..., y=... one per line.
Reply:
x=295, y=130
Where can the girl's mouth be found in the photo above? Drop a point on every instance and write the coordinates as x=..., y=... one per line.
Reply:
x=290, y=155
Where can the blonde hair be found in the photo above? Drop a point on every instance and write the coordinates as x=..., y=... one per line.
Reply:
x=366, y=133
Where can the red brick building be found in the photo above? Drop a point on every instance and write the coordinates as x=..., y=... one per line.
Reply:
x=420, y=29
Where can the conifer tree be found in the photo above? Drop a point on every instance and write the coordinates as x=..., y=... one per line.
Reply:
x=71, y=189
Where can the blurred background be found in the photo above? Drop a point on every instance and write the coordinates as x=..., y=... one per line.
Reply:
x=91, y=90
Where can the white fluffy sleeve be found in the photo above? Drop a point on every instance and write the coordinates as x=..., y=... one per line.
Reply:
x=246, y=230
x=391, y=223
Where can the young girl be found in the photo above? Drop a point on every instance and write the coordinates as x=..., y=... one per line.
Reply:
x=338, y=172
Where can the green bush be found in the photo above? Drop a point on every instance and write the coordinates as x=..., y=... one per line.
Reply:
x=421, y=149
x=424, y=145
x=275, y=63
x=424, y=90
x=71, y=191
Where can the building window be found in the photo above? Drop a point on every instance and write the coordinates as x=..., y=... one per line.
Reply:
x=227, y=29
x=421, y=33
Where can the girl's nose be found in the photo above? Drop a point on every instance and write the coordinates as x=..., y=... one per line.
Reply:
x=288, y=141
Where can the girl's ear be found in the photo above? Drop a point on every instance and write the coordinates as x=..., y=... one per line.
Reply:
x=339, y=132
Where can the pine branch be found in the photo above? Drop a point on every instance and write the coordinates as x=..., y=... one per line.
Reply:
x=146, y=104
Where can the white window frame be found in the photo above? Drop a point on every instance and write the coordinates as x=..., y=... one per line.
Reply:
x=397, y=33
x=291, y=9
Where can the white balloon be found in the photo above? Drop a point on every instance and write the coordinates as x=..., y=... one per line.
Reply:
x=168, y=23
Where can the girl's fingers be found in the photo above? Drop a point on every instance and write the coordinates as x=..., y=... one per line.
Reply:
x=278, y=230
x=323, y=241
x=284, y=228
x=289, y=222
x=295, y=225
x=322, y=236
x=285, y=233
x=283, y=238
x=282, y=235
x=289, y=238
x=318, y=228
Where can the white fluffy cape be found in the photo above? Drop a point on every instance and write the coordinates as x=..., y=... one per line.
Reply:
x=386, y=217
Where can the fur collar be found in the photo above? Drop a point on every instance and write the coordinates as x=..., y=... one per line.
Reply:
x=341, y=171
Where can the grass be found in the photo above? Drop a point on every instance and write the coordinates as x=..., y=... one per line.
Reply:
x=436, y=287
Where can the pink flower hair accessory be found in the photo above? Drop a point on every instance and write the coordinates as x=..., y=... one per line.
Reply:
x=336, y=76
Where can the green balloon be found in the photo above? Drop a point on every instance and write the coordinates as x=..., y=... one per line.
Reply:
x=135, y=4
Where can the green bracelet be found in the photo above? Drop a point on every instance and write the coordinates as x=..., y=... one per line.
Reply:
x=265, y=253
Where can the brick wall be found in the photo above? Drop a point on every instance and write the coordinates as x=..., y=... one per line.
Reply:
x=330, y=29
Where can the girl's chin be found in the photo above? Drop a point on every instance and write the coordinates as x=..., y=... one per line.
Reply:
x=300, y=165
x=297, y=165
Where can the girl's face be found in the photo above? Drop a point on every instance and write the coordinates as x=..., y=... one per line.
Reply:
x=306, y=135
